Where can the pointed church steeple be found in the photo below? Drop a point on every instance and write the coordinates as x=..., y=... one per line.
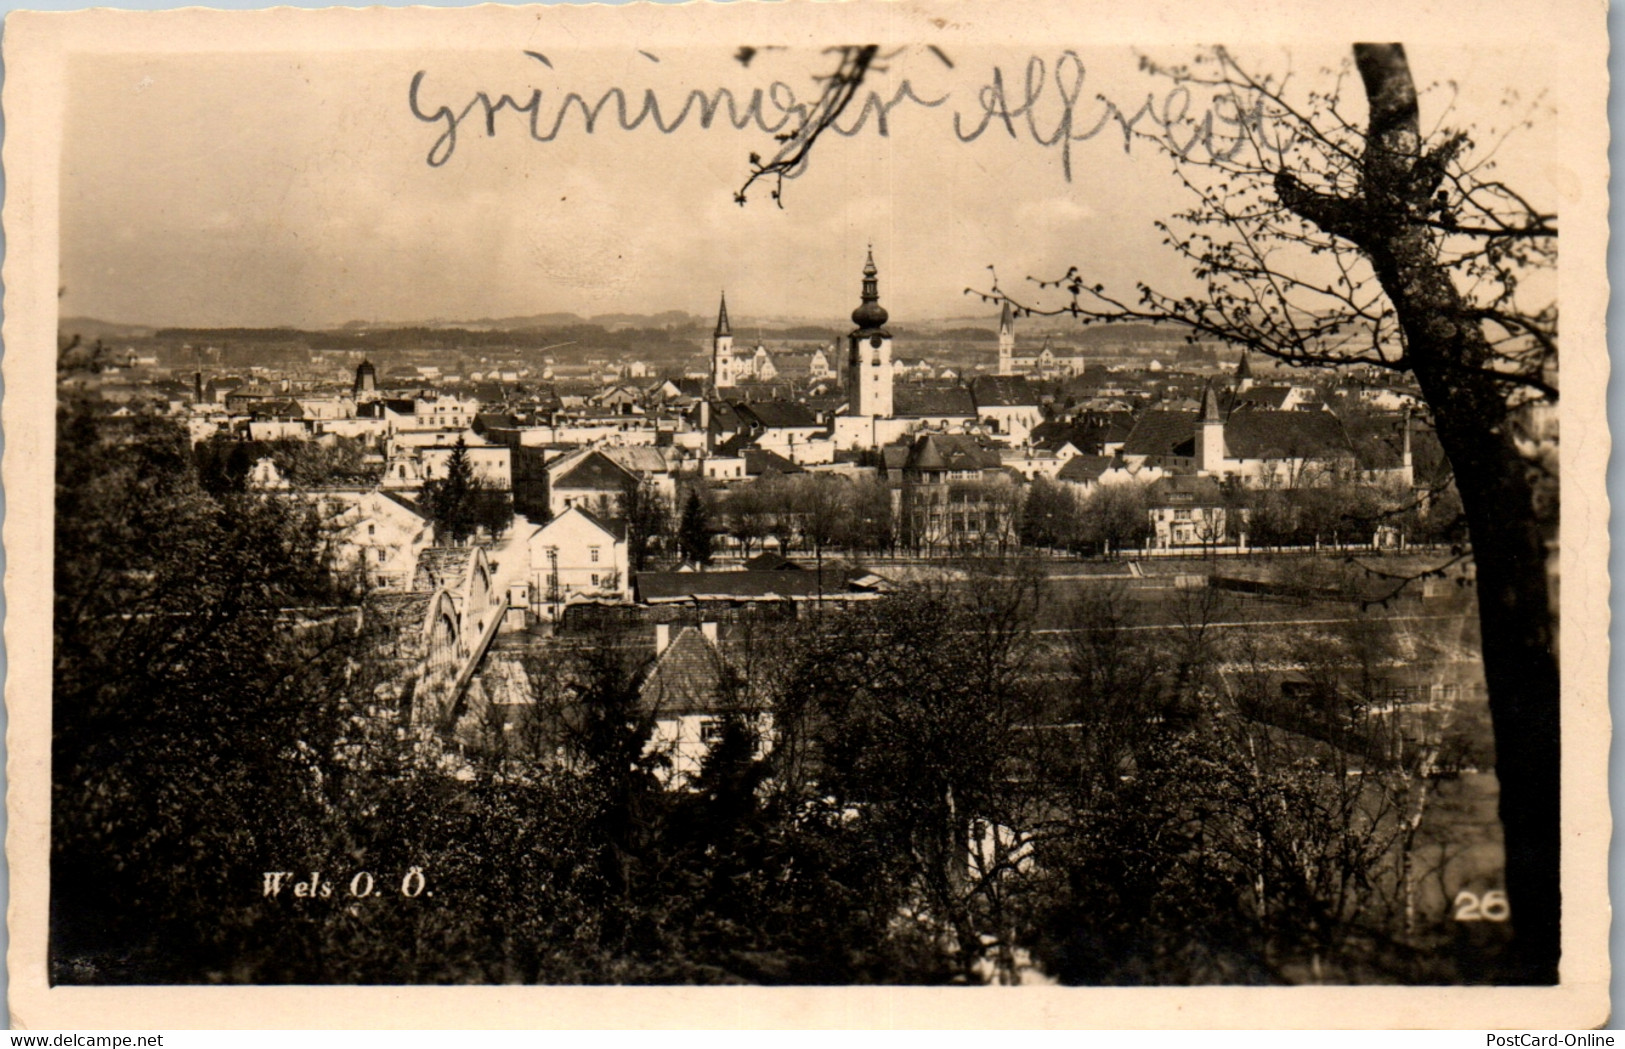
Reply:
x=1210, y=449
x=1007, y=340
x=1244, y=373
x=723, y=366
x=722, y=319
x=1210, y=405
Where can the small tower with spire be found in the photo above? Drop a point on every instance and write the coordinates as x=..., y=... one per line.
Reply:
x=1210, y=434
x=722, y=350
x=1007, y=341
x=868, y=373
x=1244, y=373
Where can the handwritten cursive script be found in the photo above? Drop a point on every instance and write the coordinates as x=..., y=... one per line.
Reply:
x=1050, y=111
x=1166, y=116
x=772, y=110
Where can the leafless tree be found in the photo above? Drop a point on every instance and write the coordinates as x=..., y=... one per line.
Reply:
x=1318, y=240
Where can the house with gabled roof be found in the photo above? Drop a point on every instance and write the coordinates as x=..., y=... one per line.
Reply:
x=657, y=466
x=1088, y=472
x=689, y=690
x=789, y=429
x=575, y=556
x=592, y=481
x=1190, y=510
x=760, y=461
x=952, y=492
x=1280, y=398
x=380, y=532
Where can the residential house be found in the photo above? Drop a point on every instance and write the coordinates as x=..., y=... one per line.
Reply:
x=1191, y=510
x=1085, y=473
x=491, y=464
x=951, y=492
x=788, y=429
x=689, y=690
x=590, y=480
x=380, y=532
x=577, y=555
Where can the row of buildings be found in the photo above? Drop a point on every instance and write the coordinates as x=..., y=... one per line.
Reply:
x=953, y=461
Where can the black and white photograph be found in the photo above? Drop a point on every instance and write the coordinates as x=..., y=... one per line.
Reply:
x=792, y=496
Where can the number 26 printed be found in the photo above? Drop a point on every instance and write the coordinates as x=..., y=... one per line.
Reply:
x=1491, y=907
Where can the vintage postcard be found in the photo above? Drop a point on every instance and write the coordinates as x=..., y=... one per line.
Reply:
x=784, y=514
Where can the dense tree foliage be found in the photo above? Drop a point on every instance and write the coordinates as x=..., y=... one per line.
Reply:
x=224, y=464
x=694, y=530
x=197, y=639
x=461, y=503
x=920, y=789
x=647, y=517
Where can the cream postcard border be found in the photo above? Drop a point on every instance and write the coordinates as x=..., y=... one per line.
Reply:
x=36, y=46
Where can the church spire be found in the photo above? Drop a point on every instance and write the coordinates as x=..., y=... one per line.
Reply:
x=722, y=319
x=1007, y=340
x=1210, y=447
x=870, y=314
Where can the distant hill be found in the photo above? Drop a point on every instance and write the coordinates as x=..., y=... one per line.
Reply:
x=957, y=329
x=1116, y=334
x=90, y=329
x=535, y=320
x=667, y=319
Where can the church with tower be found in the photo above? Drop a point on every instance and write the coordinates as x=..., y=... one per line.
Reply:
x=729, y=367
x=867, y=373
x=1047, y=363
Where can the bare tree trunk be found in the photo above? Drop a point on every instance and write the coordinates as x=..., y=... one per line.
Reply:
x=1451, y=358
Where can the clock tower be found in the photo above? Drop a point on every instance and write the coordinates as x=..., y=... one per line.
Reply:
x=868, y=372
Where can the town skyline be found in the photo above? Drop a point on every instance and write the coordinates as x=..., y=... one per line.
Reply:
x=264, y=190
x=1097, y=524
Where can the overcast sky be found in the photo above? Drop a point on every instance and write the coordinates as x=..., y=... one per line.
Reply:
x=296, y=189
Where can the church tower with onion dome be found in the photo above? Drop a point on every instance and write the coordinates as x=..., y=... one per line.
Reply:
x=868, y=372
